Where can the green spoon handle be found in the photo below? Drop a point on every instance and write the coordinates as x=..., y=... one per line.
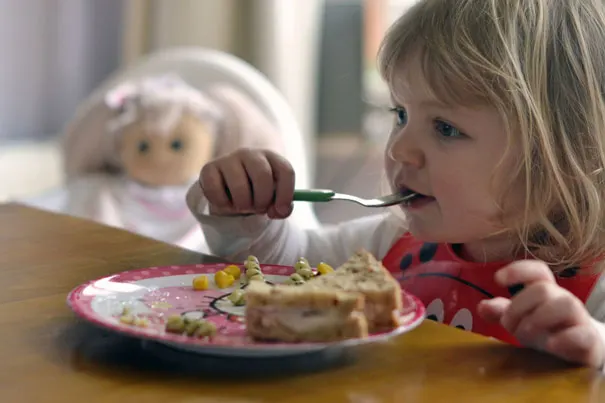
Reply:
x=314, y=195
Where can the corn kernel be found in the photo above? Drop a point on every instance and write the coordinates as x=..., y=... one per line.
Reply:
x=127, y=319
x=324, y=268
x=200, y=283
x=223, y=279
x=234, y=271
x=141, y=322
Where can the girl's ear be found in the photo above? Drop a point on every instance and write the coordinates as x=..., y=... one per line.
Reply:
x=242, y=123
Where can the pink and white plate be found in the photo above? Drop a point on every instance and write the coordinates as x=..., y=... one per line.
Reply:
x=158, y=292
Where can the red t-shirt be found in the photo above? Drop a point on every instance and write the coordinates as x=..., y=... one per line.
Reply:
x=451, y=287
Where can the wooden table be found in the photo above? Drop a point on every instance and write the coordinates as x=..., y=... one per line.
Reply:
x=48, y=355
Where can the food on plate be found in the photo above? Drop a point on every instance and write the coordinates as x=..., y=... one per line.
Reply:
x=303, y=268
x=295, y=279
x=366, y=275
x=297, y=314
x=200, y=283
x=253, y=270
x=175, y=324
x=365, y=298
x=222, y=279
x=129, y=318
x=251, y=262
x=256, y=277
x=190, y=327
x=237, y=297
x=324, y=268
x=234, y=271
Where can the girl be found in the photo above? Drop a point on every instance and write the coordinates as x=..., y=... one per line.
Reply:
x=499, y=129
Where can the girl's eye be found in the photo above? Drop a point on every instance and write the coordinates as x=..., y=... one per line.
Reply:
x=402, y=115
x=447, y=130
x=143, y=146
x=176, y=145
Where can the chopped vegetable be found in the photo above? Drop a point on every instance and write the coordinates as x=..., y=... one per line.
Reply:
x=200, y=283
x=223, y=279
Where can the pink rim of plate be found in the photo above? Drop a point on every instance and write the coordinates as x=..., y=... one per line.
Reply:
x=81, y=298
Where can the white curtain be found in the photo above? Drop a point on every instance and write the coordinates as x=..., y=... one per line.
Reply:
x=53, y=53
x=279, y=37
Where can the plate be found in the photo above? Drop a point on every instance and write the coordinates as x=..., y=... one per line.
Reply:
x=156, y=293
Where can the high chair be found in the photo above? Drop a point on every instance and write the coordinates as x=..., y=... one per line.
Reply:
x=87, y=154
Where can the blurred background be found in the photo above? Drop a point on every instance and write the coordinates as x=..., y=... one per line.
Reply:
x=320, y=54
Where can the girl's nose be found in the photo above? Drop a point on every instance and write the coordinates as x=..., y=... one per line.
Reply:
x=405, y=149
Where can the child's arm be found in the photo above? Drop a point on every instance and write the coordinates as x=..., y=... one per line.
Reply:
x=260, y=183
x=282, y=242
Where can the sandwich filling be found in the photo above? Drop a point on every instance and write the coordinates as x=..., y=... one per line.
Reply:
x=300, y=319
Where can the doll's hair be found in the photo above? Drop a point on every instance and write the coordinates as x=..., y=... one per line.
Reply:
x=541, y=64
x=159, y=102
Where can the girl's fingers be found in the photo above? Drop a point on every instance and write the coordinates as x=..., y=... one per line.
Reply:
x=213, y=186
x=524, y=272
x=580, y=344
x=525, y=302
x=284, y=177
x=274, y=214
x=559, y=313
x=491, y=310
x=238, y=183
x=260, y=172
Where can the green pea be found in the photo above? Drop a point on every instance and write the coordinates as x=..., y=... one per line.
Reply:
x=205, y=329
x=252, y=258
x=251, y=265
x=306, y=273
x=253, y=272
x=175, y=324
x=295, y=279
x=191, y=327
x=237, y=298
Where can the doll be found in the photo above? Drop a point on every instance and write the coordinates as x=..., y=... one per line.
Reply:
x=133, y=154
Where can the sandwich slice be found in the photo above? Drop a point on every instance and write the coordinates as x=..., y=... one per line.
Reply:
x=303, y=314
x=365, y=275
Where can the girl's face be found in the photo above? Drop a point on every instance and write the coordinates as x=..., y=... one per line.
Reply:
x=449, y=154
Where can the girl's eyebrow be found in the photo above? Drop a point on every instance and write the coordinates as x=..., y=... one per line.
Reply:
x=425, y=103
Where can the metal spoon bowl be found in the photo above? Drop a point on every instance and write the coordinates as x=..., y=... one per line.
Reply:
x=326, y=195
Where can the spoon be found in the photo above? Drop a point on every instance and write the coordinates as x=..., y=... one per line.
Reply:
x=326, y=195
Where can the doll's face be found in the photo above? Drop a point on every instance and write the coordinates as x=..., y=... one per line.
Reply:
x=166, y=159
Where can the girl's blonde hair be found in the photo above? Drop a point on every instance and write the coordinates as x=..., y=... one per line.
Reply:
x=541, y=64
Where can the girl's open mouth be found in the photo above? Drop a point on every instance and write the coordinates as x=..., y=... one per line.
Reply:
x=416, y=200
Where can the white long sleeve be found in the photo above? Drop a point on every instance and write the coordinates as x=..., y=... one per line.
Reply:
x=282, y=242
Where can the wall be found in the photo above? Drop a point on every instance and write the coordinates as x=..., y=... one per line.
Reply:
x=340, y=105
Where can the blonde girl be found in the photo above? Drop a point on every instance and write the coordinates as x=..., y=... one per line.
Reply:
x=499, y=130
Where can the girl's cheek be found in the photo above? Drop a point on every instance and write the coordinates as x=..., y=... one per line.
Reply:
x=390, y=168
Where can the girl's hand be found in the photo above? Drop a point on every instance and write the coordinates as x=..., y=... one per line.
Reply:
x=249, y=181
x=545, y=316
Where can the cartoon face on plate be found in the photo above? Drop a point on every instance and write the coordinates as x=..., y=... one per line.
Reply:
x=194, y=304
